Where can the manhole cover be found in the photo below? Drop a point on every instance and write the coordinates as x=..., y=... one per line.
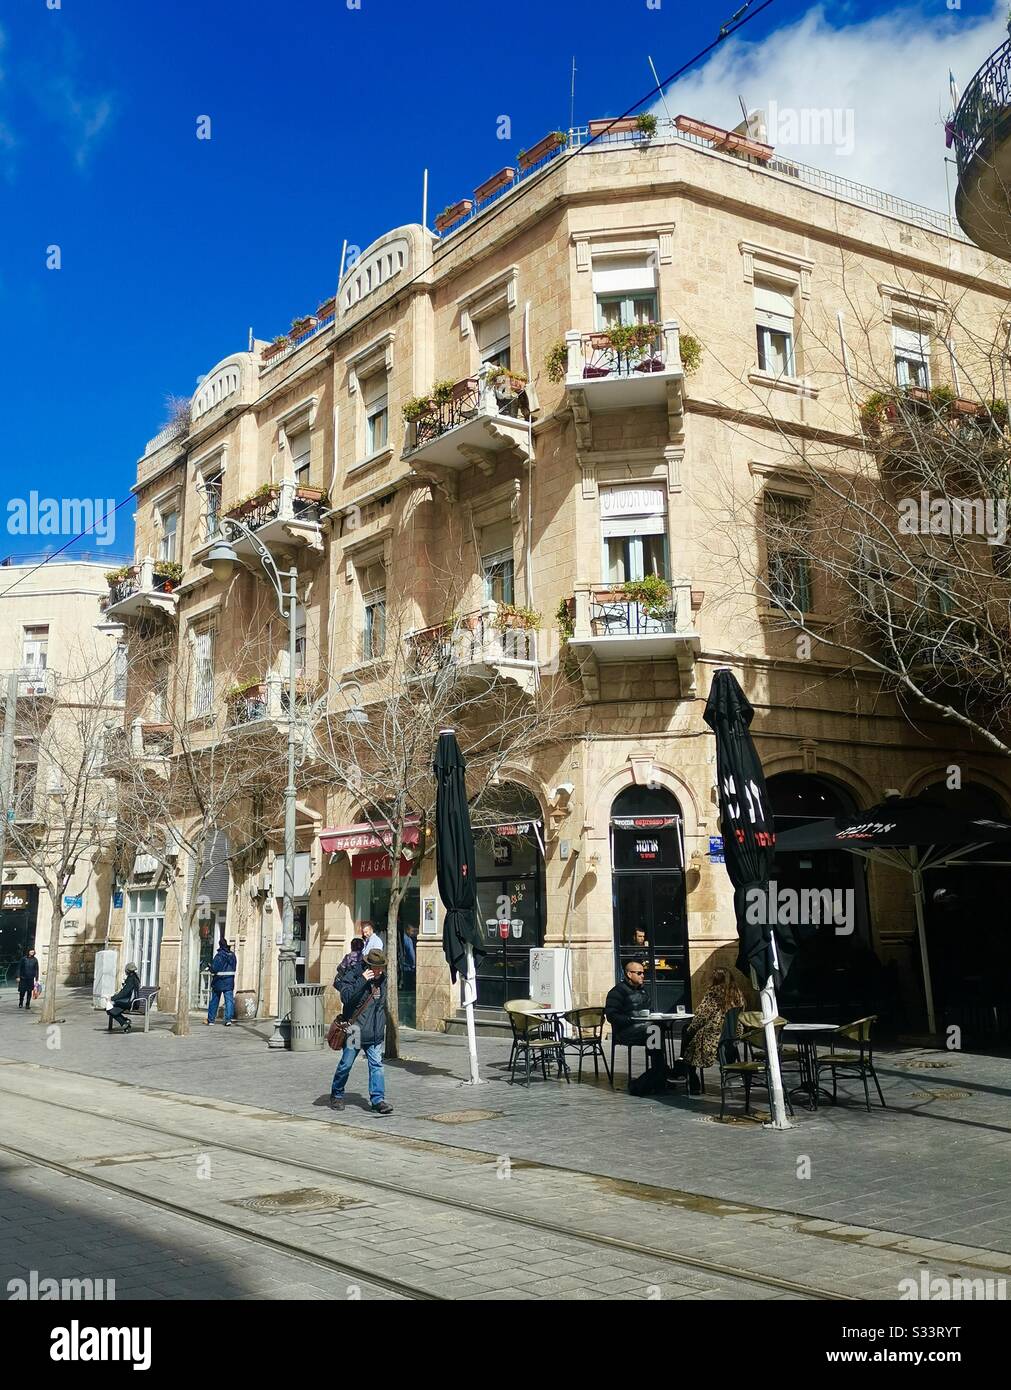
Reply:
x=301, y=1199
x=923, y=1066
x=464, y=1117
x=942, y=1095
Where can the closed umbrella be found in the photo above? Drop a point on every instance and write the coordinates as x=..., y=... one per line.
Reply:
x=911, y=833
x=748, y=839
x=456, y=870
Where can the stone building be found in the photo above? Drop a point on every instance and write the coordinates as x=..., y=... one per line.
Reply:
x=49, y=617
x=610, y=359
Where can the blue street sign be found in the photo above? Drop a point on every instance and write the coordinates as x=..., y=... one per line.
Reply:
x=716, y=849
x=72, y=900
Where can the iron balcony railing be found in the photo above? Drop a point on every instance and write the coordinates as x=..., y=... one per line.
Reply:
x=279, y=502
x=985, y=104
x=36, y=683
x=476, y=639
x=617, y=616
x=470, y=398
x=299, y=340
x=600, y=359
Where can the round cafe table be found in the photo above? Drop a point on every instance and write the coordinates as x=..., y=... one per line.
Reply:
x=806, y=1036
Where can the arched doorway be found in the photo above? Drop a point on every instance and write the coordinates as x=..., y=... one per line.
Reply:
x=648, y=892
x=968, y=933
x=835, y=974
x=509, y=853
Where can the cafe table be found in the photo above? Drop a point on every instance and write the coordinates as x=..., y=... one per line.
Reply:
x=671, y=1027
x=805, y=1037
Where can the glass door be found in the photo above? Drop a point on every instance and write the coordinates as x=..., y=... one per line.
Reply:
x=144, y=928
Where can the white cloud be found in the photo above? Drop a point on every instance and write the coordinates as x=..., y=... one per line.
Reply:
x=885, y=81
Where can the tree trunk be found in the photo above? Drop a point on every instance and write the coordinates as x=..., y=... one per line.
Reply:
x=52, y=962
x=181, y=1027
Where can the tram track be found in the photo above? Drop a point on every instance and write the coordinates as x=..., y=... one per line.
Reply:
x=597, y=1240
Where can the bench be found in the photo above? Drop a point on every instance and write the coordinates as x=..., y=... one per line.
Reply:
x=145, y=1003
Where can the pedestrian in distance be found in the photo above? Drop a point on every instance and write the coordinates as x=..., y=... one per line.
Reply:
x=373, y=942
x=223, y=968
x=363, y=1001
x=349, y=964
x=122, y=1000
x=28, y=974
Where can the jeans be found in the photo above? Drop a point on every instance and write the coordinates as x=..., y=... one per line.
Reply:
x=377, y=1081
x=212, y=1006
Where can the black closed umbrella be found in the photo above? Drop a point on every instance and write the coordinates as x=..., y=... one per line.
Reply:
x=457, y=874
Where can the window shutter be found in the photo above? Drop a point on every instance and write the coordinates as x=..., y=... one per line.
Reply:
x=493, y=333
x=774, y=308
x=374, y=392
x=299, y=446
x=496, y=537
x=623, y=274
x=911, y=342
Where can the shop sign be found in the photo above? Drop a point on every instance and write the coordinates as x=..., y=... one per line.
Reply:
x=631, y=501
x=377, y=865
x=14, y=900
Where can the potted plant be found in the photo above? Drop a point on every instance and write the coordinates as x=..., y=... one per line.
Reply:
x=169, y=572
x=116, y=576
x=556, y=361
x=300, y=325
x=645, y=124
x=506, y=381
x=691, y=353
x=452, y=214
x=565, y=618
x=442, y=392
x=281, y=341
x=325, y=309
x=652, y=594
x=510, y=615
x=555, y=140
x=502, y=179
x=415, y=407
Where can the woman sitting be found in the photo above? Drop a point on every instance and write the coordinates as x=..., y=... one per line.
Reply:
x=701, y=1038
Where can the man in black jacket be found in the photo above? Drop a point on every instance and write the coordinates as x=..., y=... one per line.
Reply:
x=119, y=1003
x=624, y=1001
x=364, y=988
x=28, y=973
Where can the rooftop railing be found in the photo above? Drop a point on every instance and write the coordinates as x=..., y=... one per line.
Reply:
x=297, y=341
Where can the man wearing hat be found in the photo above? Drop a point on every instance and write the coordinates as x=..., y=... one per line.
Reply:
x=363, y=996
x=223, y=968
x=119, y=1003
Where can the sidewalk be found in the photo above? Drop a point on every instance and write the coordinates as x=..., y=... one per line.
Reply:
x=933, y=1165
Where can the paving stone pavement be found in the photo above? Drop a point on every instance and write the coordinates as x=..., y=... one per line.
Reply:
x=921, y=1184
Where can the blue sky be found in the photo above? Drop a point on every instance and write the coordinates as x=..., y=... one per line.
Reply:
x=322, y=120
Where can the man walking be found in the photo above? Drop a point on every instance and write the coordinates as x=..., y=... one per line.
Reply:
x=363, y=997
x=372, y=941
x=28, y=973
x=223, y=968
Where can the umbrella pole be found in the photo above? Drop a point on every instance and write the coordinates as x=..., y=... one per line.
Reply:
x=770, y=1012
x=921, y=930
x=468, y=986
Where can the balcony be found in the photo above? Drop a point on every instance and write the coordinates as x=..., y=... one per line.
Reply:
x=611, y=629
x=283, y=516
x=485, y=645
x=625, y=368
x=147, y=593
x=481, y=420
x=36, y=683
x=265, y=703
x=981, y=129
x=918, y=430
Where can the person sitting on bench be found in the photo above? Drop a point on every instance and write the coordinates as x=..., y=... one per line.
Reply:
x=121, y=1002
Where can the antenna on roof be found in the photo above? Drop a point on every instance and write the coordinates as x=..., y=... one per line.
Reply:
x=424, y=202
x=658, y=86
x=744, y=109
x=250, y=348
x=572, y=95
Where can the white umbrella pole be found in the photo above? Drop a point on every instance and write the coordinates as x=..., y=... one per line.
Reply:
x=468, y=989
x=921, y=931
x=770, y=1011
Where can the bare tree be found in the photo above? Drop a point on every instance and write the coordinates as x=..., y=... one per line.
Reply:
x=61, y=805
x=477, y=674
x=200, y=783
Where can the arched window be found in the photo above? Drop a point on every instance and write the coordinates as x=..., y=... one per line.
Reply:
x=648, y=892
x=509, y=849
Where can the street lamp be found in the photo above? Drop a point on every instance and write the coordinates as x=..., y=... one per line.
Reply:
x=221, y=560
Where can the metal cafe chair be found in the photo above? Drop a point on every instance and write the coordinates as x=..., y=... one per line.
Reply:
x=746, y=1059
x=529, y=1042
x=858, y=1064
x=586, y=1039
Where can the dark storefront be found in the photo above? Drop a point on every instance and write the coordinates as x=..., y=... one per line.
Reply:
x=19, y=907
x=511, y=896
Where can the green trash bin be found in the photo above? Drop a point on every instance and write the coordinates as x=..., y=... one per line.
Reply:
x=307, y=1031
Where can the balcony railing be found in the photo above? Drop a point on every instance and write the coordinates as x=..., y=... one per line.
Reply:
x=284, y=501
x=268, y=701
x=36, y=683
x=591, y=355
x=471, y=398
x=146, y=585
x=985, y=103
x=480, y=638
x=613, y=615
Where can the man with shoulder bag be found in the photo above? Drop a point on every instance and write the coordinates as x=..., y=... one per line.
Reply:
x=361, y=1027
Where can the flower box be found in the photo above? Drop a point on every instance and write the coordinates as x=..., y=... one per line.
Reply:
x=453, y=214
x=591, y=373
x=502, y=179
x=326, y=308
x=623, y=126
x=274, y=349
x=649, y=364
x=542, y=149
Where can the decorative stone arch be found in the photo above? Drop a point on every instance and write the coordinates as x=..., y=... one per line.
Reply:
x=634, y=774
x=970, y=774
x=858, y=787
x=530, y=782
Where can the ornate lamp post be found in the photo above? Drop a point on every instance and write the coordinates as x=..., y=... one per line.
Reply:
x=221, y=562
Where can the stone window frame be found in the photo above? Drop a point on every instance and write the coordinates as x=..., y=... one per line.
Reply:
x=497, y=505
x=499, y=292
x=211, y=463
x=903, y=308
x=375, y=356
x=773, y=264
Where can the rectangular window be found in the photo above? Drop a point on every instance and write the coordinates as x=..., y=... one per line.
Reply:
x=119, y=671
x=377, y=416
x=497, y=562
x=912, y=357
x=26, y=776
x=35, y=648
x=633, y=524
x=789, y=577
x=625, y=290
x=145, y=924
x=299, y=445
x=203, y=672
x=374, y=634
x=493, y=339
x=212, y=505
x=300, y=639
x=167, y=540
x=774, y=318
